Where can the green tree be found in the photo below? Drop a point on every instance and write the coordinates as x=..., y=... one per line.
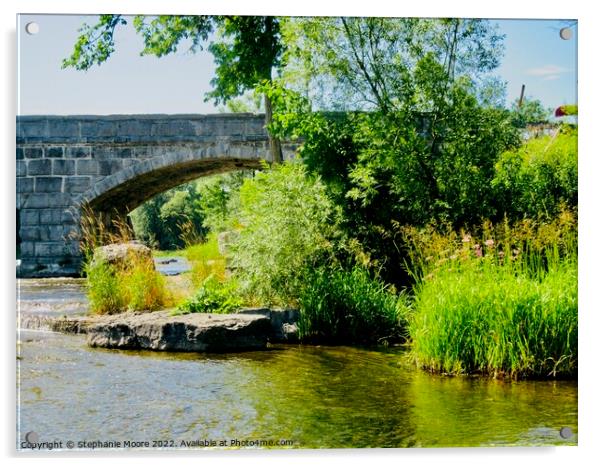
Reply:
x=246, y=49
x=426, y=150
x=162, y=221
x=366, y=62
x=220, y=200
x=530, y=111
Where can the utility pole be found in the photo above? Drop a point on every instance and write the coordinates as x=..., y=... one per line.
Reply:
x=522, y=96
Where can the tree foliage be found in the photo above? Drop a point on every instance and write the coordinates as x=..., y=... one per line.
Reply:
x=164, y=221
x=530, y=111
x=246, y=49
x=367, y=62
x=425, y=130
x=249, y=49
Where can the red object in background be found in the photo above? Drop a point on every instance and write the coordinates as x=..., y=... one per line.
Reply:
x=559, y=112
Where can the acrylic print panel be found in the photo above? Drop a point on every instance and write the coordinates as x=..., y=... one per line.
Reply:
x=275, y=233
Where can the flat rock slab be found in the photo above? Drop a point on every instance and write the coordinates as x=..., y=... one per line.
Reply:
x=284, y=322
x=191, y=332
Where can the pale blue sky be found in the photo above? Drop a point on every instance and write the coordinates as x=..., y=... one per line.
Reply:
x=127, y=83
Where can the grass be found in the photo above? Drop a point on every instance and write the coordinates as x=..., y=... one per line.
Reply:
x=502, y=305
x=136, y=286
x=129, y=285
x=340, y=306
x=206, y=261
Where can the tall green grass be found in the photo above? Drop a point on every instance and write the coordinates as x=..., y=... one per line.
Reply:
x=135, y=286
x=500, y=306
x=104, y=290
x=206, y=261
x=341, y=306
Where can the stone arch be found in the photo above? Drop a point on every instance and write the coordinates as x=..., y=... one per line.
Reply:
x=118, y=161
x=127, y=189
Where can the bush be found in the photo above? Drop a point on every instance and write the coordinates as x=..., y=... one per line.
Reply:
x=349, y=307
x=213, y=296
x=135, y=287
x=287, y=221
x=539, y=177
x=504, y=303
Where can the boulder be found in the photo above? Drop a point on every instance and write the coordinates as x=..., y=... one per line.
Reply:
x=190, y=332
x=283, y=322
x=122, y=254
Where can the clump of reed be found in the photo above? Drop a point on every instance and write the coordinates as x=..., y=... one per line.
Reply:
x=502, y=302
x=132, y=284
x=349, y=306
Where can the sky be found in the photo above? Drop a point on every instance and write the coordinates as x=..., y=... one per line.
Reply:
x=127, y=83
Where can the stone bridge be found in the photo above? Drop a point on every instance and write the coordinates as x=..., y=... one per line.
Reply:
x=115, y=163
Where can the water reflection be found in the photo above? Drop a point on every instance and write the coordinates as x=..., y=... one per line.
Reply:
x=320, y=397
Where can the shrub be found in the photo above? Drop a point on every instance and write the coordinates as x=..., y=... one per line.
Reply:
x=213, y=296
x=539, y=177
x=287, y=221
x=349, y=307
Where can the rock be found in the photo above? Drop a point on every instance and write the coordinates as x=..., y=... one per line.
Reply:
x=290, y=332
x=65, y=324
x=74, y=324
x=283, y=322
x=167, y=261
x=189, y=332
x=122, y=254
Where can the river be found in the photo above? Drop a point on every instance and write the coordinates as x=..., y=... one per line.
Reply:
x=300, y=396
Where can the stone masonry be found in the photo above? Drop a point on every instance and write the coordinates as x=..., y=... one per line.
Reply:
x=115, y=163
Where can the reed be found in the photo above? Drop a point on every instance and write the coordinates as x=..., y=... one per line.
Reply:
x=342, y=306
x=133, y=285
x=502, y=304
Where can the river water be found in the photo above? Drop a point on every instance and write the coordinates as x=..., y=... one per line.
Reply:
x=305, y=396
